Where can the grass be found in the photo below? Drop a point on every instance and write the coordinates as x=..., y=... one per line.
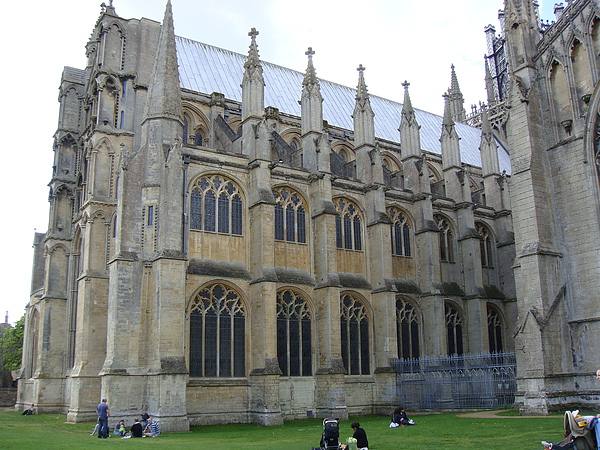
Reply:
x=440, y=431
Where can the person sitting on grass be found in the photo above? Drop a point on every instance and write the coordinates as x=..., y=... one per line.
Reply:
x=120, y=428
x=136, y=429
x=30, y=411
x=152, y=429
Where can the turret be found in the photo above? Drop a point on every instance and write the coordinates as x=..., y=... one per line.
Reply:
x=456, y=99
x=253, y=83
x=312, y=118
x=409, y=127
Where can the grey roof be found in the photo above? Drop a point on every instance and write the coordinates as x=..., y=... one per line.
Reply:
x=208, y=69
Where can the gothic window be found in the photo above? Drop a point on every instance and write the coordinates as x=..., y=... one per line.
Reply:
x=217, y=333
x=198, y=138
x=290, y=216
x=454, y=330
x=401, y=234
x=485, y=246
x=355, y=335
x=407, y=330
x=446, y=239
x=494, y=324
x=216, y=205
x=347, y=225
x=294, y=344
x=186, y=127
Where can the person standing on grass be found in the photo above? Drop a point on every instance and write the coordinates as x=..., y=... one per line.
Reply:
x=103, y=415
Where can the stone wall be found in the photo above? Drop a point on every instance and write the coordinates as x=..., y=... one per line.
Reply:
x=8, y=396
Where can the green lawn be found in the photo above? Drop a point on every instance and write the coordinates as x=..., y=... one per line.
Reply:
x=441, y=431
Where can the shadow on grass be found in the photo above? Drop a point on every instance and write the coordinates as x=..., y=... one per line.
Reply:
x=440, y=431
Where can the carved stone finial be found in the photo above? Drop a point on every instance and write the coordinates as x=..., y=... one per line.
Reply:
x=253, y=33
x=310, y=52
x=405, y=84
x=361, y=68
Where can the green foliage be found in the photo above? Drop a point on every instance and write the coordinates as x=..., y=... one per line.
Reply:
x=11, y=345
x=435, y=431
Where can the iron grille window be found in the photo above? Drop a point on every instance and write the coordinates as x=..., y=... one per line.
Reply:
x=294, y=342
x=290, y=216
x=217, y=333
x=494, y=330
x=407, y=330
x=209, y=214
x=355, y=335
x=401, y=236
x=454, y=329
x=347, y=225
x=446, y=239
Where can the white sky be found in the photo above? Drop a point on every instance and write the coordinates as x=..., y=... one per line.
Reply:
x=395, y=40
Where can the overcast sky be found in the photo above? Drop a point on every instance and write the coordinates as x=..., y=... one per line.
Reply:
x=395, y=40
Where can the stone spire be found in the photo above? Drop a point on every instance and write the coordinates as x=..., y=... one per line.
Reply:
x=164, y=92
x=488, y=147
x=409, y=127
x=364, y=125
x=253, y=83
x=312, y=100
x=456, y=98
x=489, y=84
x=449, y=138
x=110, y=9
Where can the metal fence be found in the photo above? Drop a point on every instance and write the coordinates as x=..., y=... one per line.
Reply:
x=476, y=381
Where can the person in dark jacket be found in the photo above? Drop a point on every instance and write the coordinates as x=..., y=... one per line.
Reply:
x=361, y=436
x=136, y=429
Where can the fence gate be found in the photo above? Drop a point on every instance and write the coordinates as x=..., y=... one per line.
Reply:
x=476, y=381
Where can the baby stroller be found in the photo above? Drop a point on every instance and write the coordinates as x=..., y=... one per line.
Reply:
x=331, y=434
x=579, y=433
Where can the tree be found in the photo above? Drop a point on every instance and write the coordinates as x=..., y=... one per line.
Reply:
x=11, y=346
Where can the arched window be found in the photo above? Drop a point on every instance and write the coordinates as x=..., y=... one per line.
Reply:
x=355, y=335
x=294, y=343
x=290, y=216
x=454, y=329
x=494, y=324
x=407, y=330
x=446, y=239
x=216, y=205
x=347, y=225
x=198, y=139
x=485, y=246
x=401, y=235
x=217, y=333
x=186, y=127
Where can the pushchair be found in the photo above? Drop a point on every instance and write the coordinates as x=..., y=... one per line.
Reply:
x=330, y=440
x=579, y=433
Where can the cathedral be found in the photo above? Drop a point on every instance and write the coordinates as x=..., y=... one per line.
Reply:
x=225, y=228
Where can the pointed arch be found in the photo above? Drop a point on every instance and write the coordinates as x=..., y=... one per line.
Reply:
x=402, y=232
x=294, y=332
x=559, y=89
x=582, y=72
x=348, y=224
x=495, y=327
x=216, y=205
x=408, y=320
x=454, y=320
x=217, y=315
x=355, y=320
x=447, y=238
x=486, y=245
x=291, y=213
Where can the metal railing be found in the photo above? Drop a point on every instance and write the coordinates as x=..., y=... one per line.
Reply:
x=475, y=381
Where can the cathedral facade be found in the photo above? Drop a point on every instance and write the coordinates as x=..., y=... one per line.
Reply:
x=230, y=240
x=553, y=139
